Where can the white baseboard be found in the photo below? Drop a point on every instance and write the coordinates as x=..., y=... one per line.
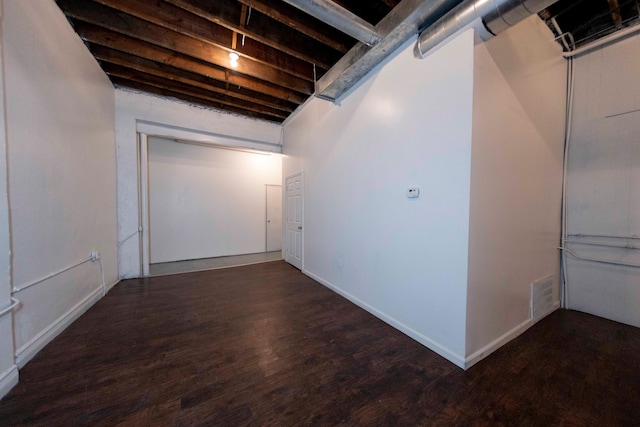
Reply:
x=503, y=339
x=497, y=343
x=37, y=343
x=109, y=287
x=427, y=342
x=8, y=380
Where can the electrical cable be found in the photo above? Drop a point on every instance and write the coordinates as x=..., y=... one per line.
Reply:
x=14, y=304
x=120, y=243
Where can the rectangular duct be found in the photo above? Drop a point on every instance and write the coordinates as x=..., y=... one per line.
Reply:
x=403, y=22
x=340, y=18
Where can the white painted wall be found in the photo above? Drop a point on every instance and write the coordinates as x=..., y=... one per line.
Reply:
x=62, y=170
x=178, y=119
x=516, y=180
x=8, y=368
x=207, y=202
x=603, y=177
x=408, y=124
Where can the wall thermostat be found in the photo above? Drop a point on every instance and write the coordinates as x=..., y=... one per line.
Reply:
x=413, y=192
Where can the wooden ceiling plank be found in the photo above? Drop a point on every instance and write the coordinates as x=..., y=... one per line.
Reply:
x=184, y=22
x=616, y=16
x=270, y=33
x=146, y=31
x=171, y=73
x=243, y=18
x=136, y=76
x=103, y=37
x=302, y=22
x=190, y=99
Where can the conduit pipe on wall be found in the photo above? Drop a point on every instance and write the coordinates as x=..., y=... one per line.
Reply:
x=93, y=257
x=16, y=289
x=496, y=15
x=339, y=18
x=14, y=304
x=599, y=260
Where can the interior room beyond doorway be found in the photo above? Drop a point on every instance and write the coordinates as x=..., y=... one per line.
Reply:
x=209, y=206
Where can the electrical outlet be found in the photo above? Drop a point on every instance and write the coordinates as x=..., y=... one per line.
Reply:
x=95, y=256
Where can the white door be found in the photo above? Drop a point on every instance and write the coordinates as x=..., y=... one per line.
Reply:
x=274, y=218
x=293, y=206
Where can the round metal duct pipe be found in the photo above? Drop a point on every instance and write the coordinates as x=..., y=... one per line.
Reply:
x=496, y=15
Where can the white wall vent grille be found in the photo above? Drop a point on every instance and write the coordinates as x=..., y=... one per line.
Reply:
x=541, y=298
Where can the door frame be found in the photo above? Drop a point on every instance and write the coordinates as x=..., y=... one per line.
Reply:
x=266, y=215
x=284, y=218
x=143, y=203
x=144, y=130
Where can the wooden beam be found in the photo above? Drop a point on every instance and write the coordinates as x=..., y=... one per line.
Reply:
x=267, y=31
x=294, y=18
x=103, y=37
x=181, y=21
x=168, y=72
x=616, y=16
x=243, y=18
x=190, y=99
x=152, y=33
x=159, y=82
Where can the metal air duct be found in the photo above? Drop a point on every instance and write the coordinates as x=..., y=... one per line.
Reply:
x=402, y=23
x=339, y=18
x=496, y=15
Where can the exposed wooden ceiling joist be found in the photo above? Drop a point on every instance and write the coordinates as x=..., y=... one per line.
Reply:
x=114, y=57
x=188, y=89
x=180, y=49
x=300, y=21
x=267, y=31
x=102, y=37
x=219, y=33
x=181, y=42
x=192, y=99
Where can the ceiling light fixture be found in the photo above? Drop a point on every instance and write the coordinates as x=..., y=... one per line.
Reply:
x=233, y=59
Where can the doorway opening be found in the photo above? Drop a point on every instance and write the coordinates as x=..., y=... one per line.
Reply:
x=204, y=206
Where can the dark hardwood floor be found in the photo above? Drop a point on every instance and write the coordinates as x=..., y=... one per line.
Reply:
x=265, y=345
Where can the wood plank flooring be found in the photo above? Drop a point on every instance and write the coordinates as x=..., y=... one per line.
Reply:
x=265, y=345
